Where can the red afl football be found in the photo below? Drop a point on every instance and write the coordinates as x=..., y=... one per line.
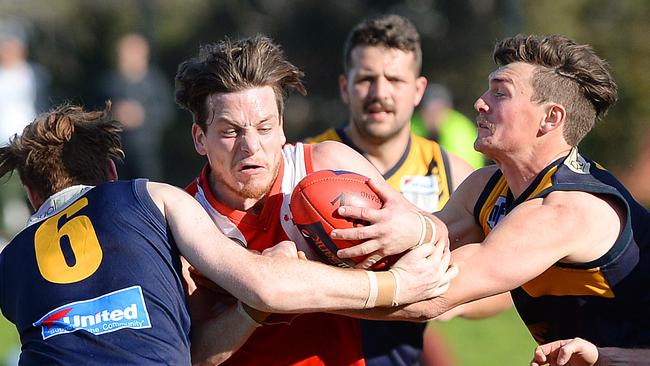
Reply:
x=314, y=204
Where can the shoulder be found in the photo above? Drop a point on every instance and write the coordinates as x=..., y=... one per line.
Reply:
x=460, y=169
x=336, y=155
x=478, y=179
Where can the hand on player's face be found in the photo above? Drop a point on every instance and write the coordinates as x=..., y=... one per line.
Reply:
x=424, y=272
x=393, y=229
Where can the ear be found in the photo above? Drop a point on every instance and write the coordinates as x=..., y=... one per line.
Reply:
x=554, y=118
x=199, y=139
x=34, y=198
x=343, y=89
x=112, y=170
x=420, y=87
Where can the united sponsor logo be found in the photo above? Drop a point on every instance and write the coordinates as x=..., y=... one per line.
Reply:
x=104, y=314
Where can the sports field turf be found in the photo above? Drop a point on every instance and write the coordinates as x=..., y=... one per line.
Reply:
x=501, y=340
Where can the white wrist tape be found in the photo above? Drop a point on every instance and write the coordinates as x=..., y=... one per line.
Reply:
x=372, y=292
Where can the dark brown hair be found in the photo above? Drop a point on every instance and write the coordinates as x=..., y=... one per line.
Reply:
x=64, y=147
x=232, y=66
x=568, y=73
x=390, y=31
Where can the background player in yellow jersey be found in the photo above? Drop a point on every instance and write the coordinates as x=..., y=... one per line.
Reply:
x=382, y=85
x=554, y=228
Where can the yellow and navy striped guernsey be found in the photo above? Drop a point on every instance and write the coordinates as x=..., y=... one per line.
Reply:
x=606, y=301
x=422, y=174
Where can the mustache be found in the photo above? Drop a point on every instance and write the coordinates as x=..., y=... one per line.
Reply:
x=385, y=105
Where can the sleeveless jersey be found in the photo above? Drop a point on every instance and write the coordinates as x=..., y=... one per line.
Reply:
x=284, y=339
x=605, y=301
x=422, y=174
x=97, y=281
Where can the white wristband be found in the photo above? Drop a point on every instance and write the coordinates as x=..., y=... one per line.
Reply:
x=396, y=293
x=372, y=291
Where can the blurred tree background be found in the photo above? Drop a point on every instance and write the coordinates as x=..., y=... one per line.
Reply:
x=74, y=40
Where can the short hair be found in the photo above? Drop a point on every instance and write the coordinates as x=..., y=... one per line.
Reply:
x=567, y=73
x=64, y=147
x=231, y=66
x=390, y=31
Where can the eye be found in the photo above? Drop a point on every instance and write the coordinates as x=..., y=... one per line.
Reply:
x=230, y=132
x=265, y=129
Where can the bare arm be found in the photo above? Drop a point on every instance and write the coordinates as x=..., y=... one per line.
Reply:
x=220, y=325
x=273, y=285
x=396, y=228
x=521, y=247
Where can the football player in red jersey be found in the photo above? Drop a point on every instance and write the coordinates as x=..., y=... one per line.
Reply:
x=235, y=92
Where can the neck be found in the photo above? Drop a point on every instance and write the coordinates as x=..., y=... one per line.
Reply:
x=382, y=154
x=521, y=170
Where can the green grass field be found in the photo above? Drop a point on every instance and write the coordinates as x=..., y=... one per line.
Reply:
x=497, y=341
x=500, y=340
x=8, y=339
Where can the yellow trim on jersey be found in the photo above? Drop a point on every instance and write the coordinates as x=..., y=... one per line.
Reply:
x=561, y=281
x=418, y=159
x=499, y=189
x=328, y=135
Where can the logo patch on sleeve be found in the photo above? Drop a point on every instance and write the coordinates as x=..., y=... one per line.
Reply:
x=117, y=310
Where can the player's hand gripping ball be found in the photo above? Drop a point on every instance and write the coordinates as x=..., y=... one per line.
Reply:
x=314, y=204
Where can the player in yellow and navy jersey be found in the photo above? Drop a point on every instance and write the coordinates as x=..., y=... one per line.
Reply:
x=553, y=228
x=422, y=173
x=381, y=85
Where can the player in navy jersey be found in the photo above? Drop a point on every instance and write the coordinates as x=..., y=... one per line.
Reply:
x=554, y=228
x=95, y=277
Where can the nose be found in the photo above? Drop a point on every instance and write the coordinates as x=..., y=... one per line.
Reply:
x=480, y=105
x=250, y=142
x=380, y=88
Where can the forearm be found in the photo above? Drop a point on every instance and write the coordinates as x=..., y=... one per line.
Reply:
x=614, y=356
x=480, y=309
x=215, y=339
x=417, y=312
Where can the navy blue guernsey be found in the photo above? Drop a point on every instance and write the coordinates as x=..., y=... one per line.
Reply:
x=98, y=281
x=605, y=301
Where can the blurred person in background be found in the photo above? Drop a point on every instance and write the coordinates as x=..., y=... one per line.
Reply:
x=450, y=128
x=141, y=96
x=22, y=96
x=382, y=85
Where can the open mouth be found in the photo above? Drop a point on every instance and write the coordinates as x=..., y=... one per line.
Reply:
x=250, y=168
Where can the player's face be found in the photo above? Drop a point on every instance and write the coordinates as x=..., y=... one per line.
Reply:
x=381, y=90
x=508, y=121
x=243, y=143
